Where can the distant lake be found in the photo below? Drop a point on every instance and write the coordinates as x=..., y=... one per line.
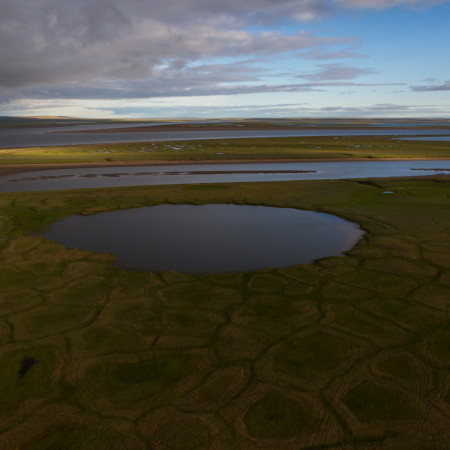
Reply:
x=427, y=138
x=208, y=238
x=38, y=137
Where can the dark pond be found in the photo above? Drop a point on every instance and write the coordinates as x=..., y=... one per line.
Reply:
x=208, y=238
x=25, y=365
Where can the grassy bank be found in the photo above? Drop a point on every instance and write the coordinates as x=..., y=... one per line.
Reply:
x=361, y=147
x=348, y=352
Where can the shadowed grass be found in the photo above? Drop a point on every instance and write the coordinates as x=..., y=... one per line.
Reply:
x=73, y=437
x=276, y=416
x=368, y=401
x=248, y=360
x=37, y=382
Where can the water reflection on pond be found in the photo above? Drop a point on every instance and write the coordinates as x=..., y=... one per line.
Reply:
x=208, y=238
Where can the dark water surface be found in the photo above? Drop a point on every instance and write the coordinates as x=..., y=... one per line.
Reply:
x=96, y=177
x=208, y=238
x=427, y=138
x=25, y=365
x=38, y=137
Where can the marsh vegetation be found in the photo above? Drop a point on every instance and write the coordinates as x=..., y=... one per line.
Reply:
x=349, y=351
x=286, y=148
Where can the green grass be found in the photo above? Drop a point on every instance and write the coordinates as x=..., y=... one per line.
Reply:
x=312, y=355
x=70, y=436
x=276, y=416
x=368, y=401
x=345, y=353
x=36, y=384
x=365, y=147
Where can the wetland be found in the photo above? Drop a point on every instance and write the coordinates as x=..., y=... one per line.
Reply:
x=78, y=133
x=346, y=352
x=359, y=342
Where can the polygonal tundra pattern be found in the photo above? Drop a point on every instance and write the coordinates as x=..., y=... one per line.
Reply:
x=349, y=352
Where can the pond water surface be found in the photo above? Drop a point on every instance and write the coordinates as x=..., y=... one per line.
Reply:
x=208, y=238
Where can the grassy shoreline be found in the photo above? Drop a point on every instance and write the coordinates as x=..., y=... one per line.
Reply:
x=226, y=150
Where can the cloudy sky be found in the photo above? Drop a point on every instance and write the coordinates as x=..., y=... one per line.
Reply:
x=232, y=58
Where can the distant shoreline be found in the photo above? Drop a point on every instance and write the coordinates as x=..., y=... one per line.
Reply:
x=244, y=127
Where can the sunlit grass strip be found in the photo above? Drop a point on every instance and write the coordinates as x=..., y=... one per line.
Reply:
x=341, y=148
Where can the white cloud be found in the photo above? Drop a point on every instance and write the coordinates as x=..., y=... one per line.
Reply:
x=47, y=42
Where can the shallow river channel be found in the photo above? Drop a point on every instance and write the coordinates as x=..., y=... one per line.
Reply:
x=97, y=177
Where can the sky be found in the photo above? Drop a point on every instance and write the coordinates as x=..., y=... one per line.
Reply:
x=233, y=58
